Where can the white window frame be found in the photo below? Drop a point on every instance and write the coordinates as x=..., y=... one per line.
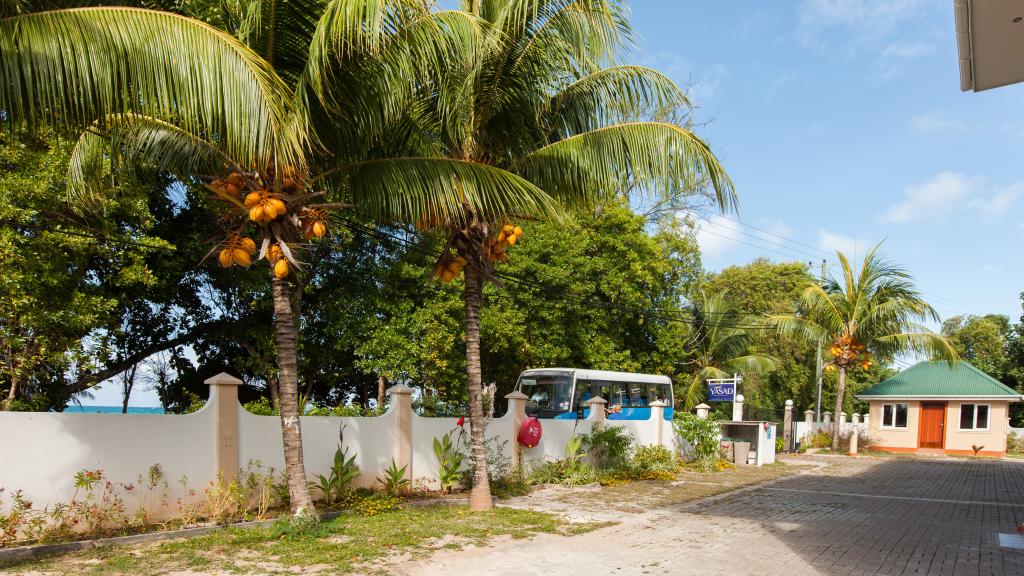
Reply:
x=893, y=426
x=988, y=420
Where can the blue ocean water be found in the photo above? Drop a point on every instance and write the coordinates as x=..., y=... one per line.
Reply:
x=114, y=409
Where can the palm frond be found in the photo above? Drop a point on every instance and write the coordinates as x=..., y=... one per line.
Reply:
x=657, y=157
x=133, y=140
x=797, y=328
x=935, y=346
x=616, y=94
x=77, y=66
x=438, y=192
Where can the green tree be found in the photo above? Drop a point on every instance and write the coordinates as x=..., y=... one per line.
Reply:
x=874, y=312
x=981, y=340
x=722, y=339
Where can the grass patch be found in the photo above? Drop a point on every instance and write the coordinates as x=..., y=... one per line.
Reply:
x=344, y=545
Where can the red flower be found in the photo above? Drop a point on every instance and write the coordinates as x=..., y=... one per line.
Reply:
x=461, y=421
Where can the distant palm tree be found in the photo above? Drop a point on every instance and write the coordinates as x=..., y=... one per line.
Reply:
x=874, y=313
x=722, y=339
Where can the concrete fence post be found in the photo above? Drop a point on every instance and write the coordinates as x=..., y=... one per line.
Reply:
x=516, y=407
x=867, y=420
x=401, y=406
x=787, y=426
x=658, y=421
x=855, y=419
x=809, y=420
x=842, y=422
x=598, y=412
x=854, y=436
x=224, y=402
x=737, y=408
x=703, y=410
x=826, y=418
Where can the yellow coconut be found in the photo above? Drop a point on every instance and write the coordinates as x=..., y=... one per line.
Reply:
x=281, y=268
x=241, y=257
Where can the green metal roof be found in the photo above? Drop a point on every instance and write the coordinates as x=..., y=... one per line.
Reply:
x=939, y=379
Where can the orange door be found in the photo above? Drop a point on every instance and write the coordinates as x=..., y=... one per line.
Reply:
x=933, y=422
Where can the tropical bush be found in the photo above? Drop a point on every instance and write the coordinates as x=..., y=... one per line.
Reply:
x=572, y=470
x=394, y=480
x=343, y=471
x=450, y=461
x=1014, y=444
x=608, y=448
x=701, y=433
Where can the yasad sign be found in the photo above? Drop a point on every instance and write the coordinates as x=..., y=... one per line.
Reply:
x=720, y=392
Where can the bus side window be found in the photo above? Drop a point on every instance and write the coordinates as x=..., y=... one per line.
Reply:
x=584, y=392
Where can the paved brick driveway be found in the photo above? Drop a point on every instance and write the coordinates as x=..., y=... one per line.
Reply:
x=855, y=517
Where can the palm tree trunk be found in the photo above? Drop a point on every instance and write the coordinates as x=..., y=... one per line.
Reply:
x=382, y=385
x=480, y=496
x=288, y=389
x=840, y=390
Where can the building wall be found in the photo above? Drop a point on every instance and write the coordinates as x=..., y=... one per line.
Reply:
x=894, y=437
x=956, y=441
x=993, y=439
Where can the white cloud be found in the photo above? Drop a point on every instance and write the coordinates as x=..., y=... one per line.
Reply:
x=851, y=247
x=950, y=193
x=869, y=21
x=933, y=200
x=717, y=235
x=884, y=28
x=933, y=123
x=1001, y=200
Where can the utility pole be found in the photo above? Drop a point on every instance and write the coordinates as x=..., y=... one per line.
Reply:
x=817, y=365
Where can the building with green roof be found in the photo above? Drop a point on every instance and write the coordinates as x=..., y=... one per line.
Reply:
x=940, y=407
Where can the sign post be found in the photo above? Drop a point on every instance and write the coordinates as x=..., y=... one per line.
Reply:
x=724, y=389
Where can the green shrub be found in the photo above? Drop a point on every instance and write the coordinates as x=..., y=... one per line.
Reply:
x=609, y=448
x=394, y=480
x=571, y=471
x=450, y=461
x=654, y=458
x=701, y=433
x=820, y=439
x=343, y=471
x=1014, y=444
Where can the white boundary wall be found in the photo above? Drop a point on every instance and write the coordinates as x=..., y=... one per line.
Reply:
x=47, y=449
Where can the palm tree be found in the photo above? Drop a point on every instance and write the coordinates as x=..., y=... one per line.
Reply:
x=540, y=117
x=875, y=313
x=722, y=339
x=256, y=106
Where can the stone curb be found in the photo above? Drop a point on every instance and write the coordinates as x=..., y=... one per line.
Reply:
x=39, y=550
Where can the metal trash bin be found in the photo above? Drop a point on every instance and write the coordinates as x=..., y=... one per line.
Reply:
x=742, y=452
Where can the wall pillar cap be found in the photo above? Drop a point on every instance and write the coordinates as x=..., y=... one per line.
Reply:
x=809, y=412
x=597, y=400
x=789, y=404
x=398, y=389
x=223, y=379
x=702, y=406
x=516, y=396
x=827, y=412
x=842, y=413
x=657, y=404
x=740, y=398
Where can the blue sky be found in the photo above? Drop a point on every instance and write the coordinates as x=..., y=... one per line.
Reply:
x=842, y=124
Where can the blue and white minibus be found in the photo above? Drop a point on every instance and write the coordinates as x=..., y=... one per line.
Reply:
x=563, y=392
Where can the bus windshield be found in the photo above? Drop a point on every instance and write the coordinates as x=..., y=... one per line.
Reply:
x=548, y=393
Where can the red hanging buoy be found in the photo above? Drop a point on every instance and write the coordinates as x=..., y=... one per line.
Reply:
x=530, y=432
